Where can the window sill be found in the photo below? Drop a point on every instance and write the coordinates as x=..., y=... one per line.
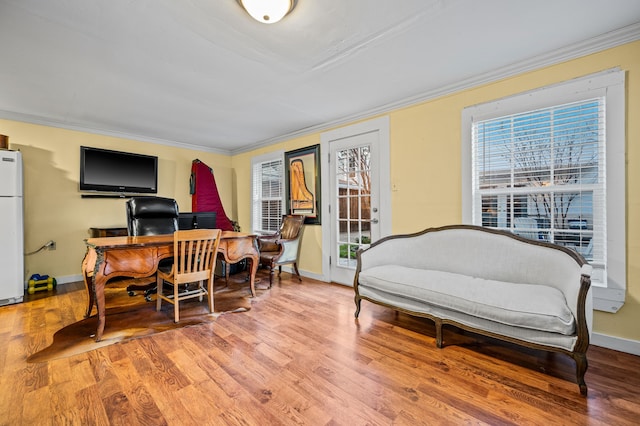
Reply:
x=607, y=299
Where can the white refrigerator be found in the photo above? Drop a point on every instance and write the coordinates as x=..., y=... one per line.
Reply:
x=11, y=228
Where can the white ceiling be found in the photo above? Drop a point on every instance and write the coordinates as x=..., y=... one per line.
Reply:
x=203, y=74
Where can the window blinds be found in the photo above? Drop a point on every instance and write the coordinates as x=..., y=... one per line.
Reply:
x=267, y=195
x=541, y=174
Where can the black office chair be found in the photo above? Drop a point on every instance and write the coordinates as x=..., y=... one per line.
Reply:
x=151, y=216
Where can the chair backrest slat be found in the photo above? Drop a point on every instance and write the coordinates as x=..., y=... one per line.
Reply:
x=195, y=250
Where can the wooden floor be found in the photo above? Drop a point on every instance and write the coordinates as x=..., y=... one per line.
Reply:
x=299, y=357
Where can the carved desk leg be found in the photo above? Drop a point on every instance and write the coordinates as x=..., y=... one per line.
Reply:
x=94, y=282
x=99, y=282
x=252, y=277
x=235, y=249
x=88, y=265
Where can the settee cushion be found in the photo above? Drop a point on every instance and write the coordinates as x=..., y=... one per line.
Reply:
x=533, y=306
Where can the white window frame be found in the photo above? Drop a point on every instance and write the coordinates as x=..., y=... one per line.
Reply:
x=608, y=296
x=256, y=196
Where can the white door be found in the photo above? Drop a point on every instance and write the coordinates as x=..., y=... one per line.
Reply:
x=359, y=208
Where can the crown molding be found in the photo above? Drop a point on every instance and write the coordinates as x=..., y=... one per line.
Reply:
x=596, y=44
x=35, y=119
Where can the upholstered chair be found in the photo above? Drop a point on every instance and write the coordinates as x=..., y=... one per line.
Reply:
x=282, y=248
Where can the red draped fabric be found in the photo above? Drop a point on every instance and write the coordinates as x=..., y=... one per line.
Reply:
x=205, y=196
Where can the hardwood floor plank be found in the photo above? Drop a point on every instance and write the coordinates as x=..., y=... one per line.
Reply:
x=135, y=390
x=299, y=357
x=398, y=381
x=90, y=407
x=164, y=368
x=36, y=405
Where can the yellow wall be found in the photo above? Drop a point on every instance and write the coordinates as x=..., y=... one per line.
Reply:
x=53, y=207
x=311, y=249
x=425, y=147
x=425, y=158
x=425, y=150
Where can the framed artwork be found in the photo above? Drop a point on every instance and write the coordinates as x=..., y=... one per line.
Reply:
x=302, y=179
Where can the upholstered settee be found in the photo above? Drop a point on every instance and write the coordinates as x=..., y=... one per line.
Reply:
x=485, y=281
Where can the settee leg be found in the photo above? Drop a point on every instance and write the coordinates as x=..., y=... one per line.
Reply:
x=358, y=302
x=581, y=369
x=438, y=333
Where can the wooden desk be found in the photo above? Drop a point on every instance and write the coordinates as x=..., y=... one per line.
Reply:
x=107, y=232
x=138, y=257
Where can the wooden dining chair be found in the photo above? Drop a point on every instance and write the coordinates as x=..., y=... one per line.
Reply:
x=194, y=254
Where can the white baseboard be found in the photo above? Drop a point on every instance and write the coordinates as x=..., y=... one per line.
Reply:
x=303, y=273
x=616, y=343
x=68, y=279
x=311, y=275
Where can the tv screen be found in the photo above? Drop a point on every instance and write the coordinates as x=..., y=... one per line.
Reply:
x=115, y=171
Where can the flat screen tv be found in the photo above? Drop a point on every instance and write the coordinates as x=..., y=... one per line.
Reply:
x=115, y=171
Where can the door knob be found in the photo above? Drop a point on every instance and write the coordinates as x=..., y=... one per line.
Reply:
x=374, y=221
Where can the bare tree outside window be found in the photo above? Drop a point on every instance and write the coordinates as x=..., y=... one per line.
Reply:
x=537, y=171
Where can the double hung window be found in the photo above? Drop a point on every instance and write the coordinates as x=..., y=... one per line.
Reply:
x=267, y=192
x=549, y=165
x=540, y=174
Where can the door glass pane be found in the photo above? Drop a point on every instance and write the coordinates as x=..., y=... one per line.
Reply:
x=354, y=203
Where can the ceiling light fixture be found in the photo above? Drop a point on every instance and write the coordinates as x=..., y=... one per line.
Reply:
x=268, y=11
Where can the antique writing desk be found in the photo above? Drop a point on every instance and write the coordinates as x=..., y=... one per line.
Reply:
x=138, y=257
